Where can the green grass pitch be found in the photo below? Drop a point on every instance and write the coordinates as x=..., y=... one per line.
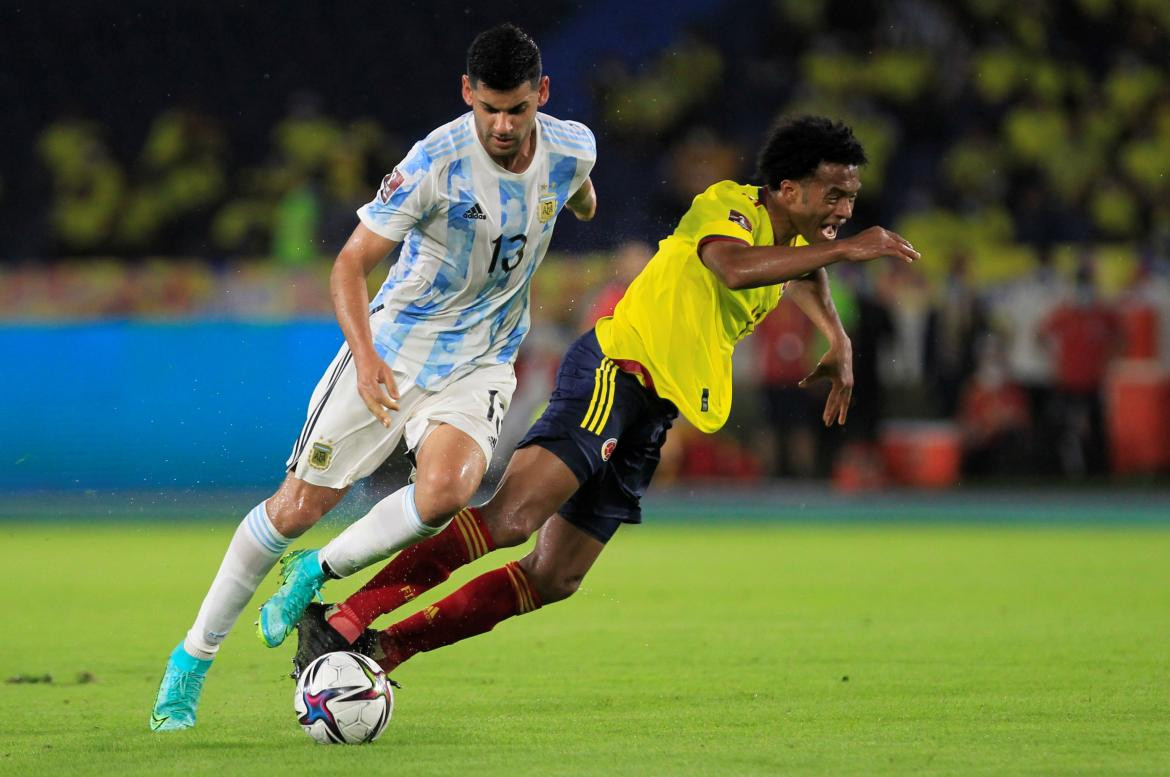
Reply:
x=692, y=649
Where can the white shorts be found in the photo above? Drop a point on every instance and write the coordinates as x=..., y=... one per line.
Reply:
x=343, y=442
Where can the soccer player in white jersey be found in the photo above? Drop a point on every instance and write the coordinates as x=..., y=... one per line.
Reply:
x=430, y=359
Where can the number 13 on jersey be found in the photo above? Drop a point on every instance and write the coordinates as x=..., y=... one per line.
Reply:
x=507, y=252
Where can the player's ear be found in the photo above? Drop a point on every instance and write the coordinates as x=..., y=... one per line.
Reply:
x=542, y=91
x=789, y=191
x=467, y=98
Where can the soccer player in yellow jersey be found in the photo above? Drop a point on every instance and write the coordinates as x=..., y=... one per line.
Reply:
x=582, y=468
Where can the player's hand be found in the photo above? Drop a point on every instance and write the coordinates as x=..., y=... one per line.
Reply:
x=836, y=366
x=375, y=384
x=876, y=242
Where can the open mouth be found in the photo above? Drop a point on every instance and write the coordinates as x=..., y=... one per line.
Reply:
x=829, y=231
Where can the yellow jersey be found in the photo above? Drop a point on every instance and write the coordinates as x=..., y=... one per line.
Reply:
x=678, y=322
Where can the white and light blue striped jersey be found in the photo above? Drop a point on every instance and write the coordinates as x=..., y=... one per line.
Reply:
x=472, y=235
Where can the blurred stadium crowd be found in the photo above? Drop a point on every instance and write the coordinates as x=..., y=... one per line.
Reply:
x=1021, y=145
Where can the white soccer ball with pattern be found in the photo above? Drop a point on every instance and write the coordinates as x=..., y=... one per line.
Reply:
x=343, y=698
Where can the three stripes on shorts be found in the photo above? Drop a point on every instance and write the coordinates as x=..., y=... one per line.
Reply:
x=601, y=404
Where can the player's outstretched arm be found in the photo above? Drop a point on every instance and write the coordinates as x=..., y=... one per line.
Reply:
x=583, y=203
x=740, y=266
x=351, y=301
x=811, y=294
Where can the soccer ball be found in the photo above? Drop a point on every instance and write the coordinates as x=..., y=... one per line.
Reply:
x=343, y=698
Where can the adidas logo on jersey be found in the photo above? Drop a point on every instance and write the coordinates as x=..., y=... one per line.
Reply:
x=474, y=212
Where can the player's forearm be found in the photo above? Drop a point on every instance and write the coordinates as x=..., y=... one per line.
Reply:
x=583, y=203
x=351, y=303
x=813, y=297
x=740, y=266
x=363, y=252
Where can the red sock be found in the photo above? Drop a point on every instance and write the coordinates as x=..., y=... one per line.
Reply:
x=413, y=571
x=474, y=609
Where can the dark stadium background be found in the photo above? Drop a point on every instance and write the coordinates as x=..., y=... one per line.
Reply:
x=174, y=182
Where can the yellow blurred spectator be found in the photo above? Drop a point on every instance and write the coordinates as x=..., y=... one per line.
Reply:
x=88, y=185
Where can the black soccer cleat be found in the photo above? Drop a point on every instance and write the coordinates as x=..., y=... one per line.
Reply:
x=315, y=638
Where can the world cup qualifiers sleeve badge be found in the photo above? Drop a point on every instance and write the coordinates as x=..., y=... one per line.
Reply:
x=738, y=218
x=389, y=184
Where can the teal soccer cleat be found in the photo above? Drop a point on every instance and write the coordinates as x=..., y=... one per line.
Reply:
x=301, y=578
x=178, y=693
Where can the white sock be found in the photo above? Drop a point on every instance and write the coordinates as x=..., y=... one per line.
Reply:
x=253, y=551
x=392, y=524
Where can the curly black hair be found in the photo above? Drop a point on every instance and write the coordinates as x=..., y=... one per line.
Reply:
x=795, y=146
x=503, y=58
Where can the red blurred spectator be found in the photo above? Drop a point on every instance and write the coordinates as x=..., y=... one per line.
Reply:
x=1145, y=311
x=782, y=343
x=1085, y=335
x=994, y=417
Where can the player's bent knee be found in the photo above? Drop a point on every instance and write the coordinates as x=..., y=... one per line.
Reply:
x=508, y=535
x=294, y=521
x=297, y=506
x=558, y=589
x=552, y=586
x=510, y=522
x=436, y=508
x=437, y=500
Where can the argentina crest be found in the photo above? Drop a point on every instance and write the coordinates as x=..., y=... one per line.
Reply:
x=548, y=204
x=321, y=456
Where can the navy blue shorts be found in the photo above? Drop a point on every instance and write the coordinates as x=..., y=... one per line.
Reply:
x=608, y=429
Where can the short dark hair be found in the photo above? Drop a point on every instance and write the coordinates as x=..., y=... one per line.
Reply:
x=503, y=58
x=795, y=146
